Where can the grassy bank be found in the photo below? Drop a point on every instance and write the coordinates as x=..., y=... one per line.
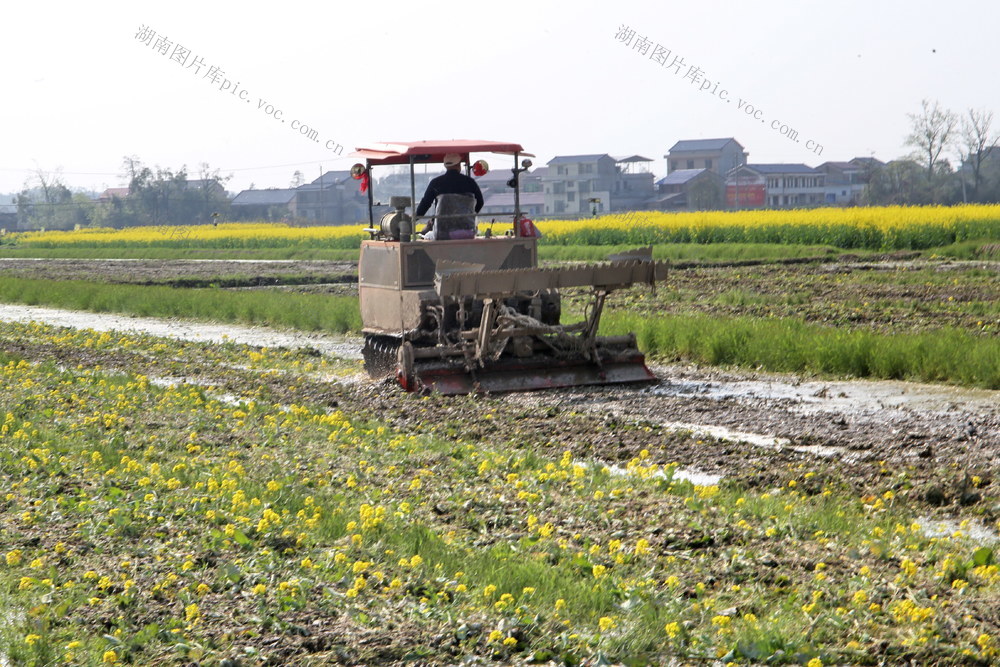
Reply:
x=944, y=355
x=788, y=345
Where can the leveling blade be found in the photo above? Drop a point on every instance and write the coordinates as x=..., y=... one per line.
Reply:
x=451, y=379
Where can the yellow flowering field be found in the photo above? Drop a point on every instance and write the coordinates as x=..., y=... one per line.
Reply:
x=254, y=514
x=227, y=235
x=886, y=227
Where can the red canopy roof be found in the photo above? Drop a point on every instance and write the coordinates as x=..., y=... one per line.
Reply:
x=399, y=152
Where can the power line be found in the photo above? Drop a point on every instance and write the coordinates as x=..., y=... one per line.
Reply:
x=107, y=173
x=294, y=164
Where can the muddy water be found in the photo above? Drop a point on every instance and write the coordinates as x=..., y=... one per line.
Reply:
x=696, y=477
x=975, y=531
x=837, y=396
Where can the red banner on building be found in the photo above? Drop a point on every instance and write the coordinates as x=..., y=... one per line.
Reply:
x=750, y=196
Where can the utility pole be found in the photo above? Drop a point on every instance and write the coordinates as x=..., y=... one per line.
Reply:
x=737, y=203
x=320, y=211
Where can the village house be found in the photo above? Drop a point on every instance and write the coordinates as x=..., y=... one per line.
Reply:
x=333, y=198
x=718, y=155
x=595, y=184
x=273, y=204
x=689, y=189
x=846, y=181
x=775, y=186
x=112, y=193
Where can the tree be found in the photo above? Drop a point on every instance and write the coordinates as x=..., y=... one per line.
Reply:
x=705, y=194
x=977, y=142
x=297, y=179
x=50, y=204
x=131, y=166
x=904, y=182
x=897, y=183
x=165, y=197
x=933, y=130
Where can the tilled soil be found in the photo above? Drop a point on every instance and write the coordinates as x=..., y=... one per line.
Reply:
x=935, y=447
x=924, y=441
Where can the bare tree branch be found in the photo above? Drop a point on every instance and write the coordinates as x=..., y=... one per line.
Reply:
x=978, y=141
x=933, y=131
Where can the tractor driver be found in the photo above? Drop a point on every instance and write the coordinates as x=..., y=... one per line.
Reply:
x=452, y=181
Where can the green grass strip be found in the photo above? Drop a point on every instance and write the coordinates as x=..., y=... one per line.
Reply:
x=948, y=356
x=787, y=345
x=309, y=312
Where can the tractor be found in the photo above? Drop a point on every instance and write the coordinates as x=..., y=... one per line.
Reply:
x=473, y=312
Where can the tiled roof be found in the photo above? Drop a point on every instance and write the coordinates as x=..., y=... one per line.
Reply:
x=666, y=199
x=679, y=177
x=702, y=145
x=797, y=168
x=566, y=159
x=331, y=178
x=631, y=158
x=276, y=197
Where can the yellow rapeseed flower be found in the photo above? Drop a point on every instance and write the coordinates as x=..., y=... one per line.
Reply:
x=642, y=547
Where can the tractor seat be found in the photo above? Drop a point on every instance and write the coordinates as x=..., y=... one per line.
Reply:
x=453, y=228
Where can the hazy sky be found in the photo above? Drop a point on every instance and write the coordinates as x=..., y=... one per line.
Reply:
x=81, y=91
